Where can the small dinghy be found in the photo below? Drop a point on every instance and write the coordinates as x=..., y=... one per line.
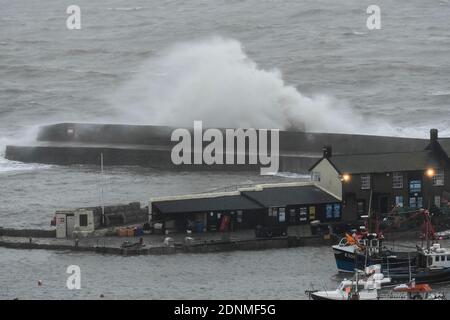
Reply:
x=413, y=291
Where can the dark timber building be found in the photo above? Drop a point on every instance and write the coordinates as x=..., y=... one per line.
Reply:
x=379, y=182
x=269, y=205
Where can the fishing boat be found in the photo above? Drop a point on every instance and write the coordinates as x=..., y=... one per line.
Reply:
x=362, y=249
x=433, y=266
x=355, y=253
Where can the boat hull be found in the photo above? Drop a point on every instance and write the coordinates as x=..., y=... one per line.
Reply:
x=347, y=260
x=423, y=276
x=341, y=297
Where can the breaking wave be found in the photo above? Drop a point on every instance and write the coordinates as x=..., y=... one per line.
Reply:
x=215, y=81
x=26, y=136
x=7, y=166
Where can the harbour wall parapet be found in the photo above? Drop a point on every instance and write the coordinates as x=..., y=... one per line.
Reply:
x=199, y=247
x=27, y=233
x=78, y=143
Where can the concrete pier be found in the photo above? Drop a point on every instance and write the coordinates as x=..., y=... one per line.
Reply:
x=154, y=244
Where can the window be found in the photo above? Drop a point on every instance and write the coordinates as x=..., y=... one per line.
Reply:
x=303, y=214
x=329, y=211
x=315, y=176
x=292, y=216
x=412, y=202
x=83, y=220
x=442, y=258
x=336, y=210
x=273, y=212
x=399, y=201
x=416, y=202
x=282, y=215
x=436, y=258
x=438, y=178
x=397, y=180
x=415, y=186
x=448, y=258
x=419, y=202
x=361, y=207
x=437, y=201
x=312, y=213
x=240, y=215
x=365, y=181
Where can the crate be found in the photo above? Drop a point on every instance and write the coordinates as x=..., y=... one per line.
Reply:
x=130, y=232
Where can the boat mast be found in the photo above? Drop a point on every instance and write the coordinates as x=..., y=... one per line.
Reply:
x=102, y=182
x=409, y=267
x=428, y=222
x=387, y=261
x=369, y=216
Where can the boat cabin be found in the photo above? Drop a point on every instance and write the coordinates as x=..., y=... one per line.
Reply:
x=370, y=242
x=435, y=257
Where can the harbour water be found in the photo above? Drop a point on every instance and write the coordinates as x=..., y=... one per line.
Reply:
x=270, y=274
x=126, y=61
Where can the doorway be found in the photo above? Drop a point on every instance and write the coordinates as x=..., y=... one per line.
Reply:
x=384, y=204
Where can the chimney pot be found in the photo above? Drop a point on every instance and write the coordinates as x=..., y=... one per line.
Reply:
x=327, y=152
x=433, y=135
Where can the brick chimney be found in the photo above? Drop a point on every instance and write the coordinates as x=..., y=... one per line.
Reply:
x=327, y=152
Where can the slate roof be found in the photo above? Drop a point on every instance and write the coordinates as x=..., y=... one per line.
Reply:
x=385, y=162
x=445, y=145
x=248, y=200
x=282, y=196
x=235, y=202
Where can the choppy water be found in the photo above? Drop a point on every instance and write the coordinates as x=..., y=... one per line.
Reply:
x=395, y=78
x=273, y=274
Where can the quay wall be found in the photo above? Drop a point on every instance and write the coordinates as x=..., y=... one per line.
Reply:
x=160, y=136
x=140, y=157
x=203, y=247
x=27, y=233
x=77, y=143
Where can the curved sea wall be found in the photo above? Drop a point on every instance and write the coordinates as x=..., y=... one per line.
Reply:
x=78, y=143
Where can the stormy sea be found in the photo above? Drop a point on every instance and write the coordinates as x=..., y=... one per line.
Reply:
x=286, y=64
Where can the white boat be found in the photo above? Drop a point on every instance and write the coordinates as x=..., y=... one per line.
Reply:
x=443, y=235
x=356, y=289
x=369, y=288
